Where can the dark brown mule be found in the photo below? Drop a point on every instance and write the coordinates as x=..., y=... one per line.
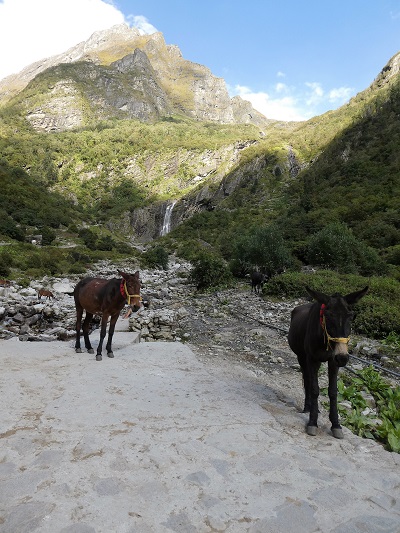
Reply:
x=319, y=332
x=98, y=296
x=257, y=281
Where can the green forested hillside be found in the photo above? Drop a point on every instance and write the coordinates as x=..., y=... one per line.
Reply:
x=356, y=180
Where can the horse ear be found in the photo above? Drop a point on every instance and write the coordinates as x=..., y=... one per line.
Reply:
x=353, y=297
x=122, y=273
x=319, y=296
x=136, y=274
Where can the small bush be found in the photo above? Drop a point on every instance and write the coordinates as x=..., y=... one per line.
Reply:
x=262, y=247
x=105, y=244
x=123, y=248
x=376, y=318
x=5, y=269
x=6, y=262
x=156, y=257
x=48, y=235
x=210, y=271
x=76, y=269
x=336, y=247
x=34, y=260
x=9, y=228
x=89, y=238
x=392, y=255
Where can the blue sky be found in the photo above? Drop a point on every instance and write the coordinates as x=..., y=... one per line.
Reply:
x=293, y=59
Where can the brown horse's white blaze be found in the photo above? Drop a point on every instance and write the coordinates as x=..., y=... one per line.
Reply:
x=320, y=332
x=106, y=298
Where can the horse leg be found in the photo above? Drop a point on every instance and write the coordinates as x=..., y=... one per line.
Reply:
x=79, y=313
x=332, y=393
x=307, y=391
x=314, y=394
x=103, y=329
x=302, y=359
x=85, y=329
x=111, y=329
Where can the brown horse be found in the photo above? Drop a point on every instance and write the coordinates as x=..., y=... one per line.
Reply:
x=98, y=296
x=47, y=294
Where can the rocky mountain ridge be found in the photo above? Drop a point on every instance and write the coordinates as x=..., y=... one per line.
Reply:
x=119, y=73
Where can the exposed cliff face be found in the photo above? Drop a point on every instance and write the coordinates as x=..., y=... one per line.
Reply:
x=120, y=73
x=208, y=166
x=147, y=222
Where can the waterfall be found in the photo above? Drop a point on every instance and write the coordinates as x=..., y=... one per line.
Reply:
x=167, y=219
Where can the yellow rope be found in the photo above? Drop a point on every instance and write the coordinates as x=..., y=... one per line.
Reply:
x=129, y=296
x=330, y=339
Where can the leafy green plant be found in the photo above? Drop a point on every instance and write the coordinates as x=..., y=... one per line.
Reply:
x=384, y=425
x=392, y=341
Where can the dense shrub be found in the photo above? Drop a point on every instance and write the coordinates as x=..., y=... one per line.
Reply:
x=105, y=243
x=9, y=228
x=262, y=247
x=336, y=247
x=190, y=249
x=48, y=235
x=123, y=248
x=76, y=269
x=375, y=318
x=156, y=257
x=392, y=255
x=4, y=266
x=209, y=271
x=89, y=238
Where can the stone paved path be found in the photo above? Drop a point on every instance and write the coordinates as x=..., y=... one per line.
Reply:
x=156, y=441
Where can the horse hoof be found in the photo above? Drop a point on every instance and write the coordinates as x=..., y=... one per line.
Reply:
x=110, y=354
x=98, y=358
x=90, y=350
x=78, y=350
x=312, y=430
x=337, y=433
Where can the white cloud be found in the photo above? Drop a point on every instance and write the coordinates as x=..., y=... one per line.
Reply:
x=142, y=24
x=286, y=108
x=31, y=30
x=290, y=103
x=341, y=95
x=315, y=95
x=281, y=88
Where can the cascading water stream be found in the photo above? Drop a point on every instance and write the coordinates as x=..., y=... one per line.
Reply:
x=167, y=219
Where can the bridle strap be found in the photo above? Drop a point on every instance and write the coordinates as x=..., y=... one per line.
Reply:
x=329, y=339
x=124, y=292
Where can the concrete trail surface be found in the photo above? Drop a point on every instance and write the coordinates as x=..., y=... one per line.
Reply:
x=157, y=440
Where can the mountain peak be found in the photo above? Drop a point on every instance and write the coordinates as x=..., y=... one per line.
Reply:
x=159, y=77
